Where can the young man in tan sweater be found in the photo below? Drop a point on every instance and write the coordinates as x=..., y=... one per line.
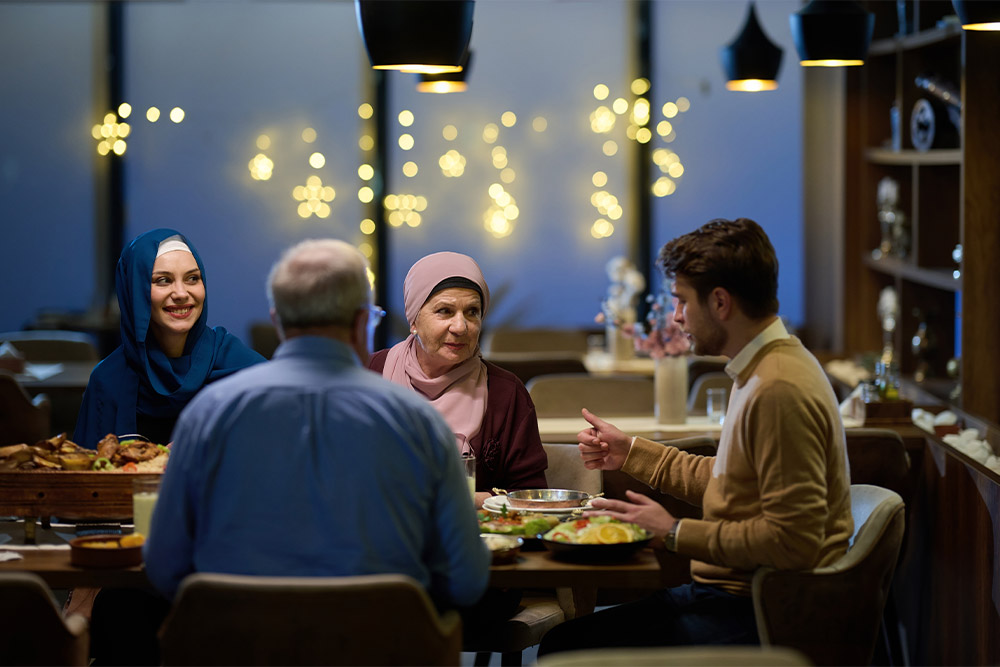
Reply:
x=777, y=492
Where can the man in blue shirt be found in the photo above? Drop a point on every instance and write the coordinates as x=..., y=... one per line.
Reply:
x=312, y=465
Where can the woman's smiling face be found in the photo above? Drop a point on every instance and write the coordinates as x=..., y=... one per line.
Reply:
x=177, y=298
x=447, y=329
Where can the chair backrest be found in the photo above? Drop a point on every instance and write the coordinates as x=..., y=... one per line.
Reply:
x=564, y=394
x=535, y=340
x=737, y=656
x=698, y=365
x=383, y=619
x=22, y=419
x=264, y=338
x=33, y=630
x=528, y=365
x=699, y=390
x=878, y=456
x=832, y=614
x=50, y=345
x=566, y=469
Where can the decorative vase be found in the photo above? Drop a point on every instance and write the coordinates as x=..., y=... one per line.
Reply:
x=620, y=346
x=670, y=390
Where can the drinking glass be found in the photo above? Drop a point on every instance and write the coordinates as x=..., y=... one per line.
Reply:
x=715, y=405
x=145, y=491
x=469, y=462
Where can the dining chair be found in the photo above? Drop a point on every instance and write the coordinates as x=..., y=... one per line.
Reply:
x=708, y=656
x=566, y=470
x=52, y=345
x=878, y=456
x=699, y=390
x=33, y=630
x=23, y=419
x=382, y=619
x=564, y=394
x=832, y=614
x=264, y=338
x=527, y=365
x=535, y=340
x=699, y=364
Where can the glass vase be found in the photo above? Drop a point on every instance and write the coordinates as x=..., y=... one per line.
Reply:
x=620, y=346
x=670, y=390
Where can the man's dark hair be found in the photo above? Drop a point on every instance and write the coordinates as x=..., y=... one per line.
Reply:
x=735, y=255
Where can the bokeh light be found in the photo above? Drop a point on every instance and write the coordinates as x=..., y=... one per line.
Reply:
x=449, y=132
x=261, y=167
x=314, y=198
x=309, y=135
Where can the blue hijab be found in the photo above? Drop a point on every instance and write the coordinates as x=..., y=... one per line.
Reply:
x=139, y=376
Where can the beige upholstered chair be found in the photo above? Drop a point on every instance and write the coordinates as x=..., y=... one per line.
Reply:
x=539, y=612
x=709, y=656
x=564, y=394
x=22, y=419
x=535, y=340
x=832, y=614
x=878, y=456
x=385, y=619
x=47, y=346
x=699, y=390
x=33, y=630
x=566, y=469
x=528, y=365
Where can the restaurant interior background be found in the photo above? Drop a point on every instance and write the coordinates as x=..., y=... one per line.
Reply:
x=289, y=81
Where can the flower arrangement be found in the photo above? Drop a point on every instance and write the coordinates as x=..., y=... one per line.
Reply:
x=626, y=284
x=660, y=336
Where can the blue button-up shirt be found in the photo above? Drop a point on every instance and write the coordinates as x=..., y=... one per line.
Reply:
x=311, y=465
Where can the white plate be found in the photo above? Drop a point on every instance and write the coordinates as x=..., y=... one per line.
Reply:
x=495, y=505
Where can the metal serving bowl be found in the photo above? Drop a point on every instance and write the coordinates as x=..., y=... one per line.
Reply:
x=541, y=499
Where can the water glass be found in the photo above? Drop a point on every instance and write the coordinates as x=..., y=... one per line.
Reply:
x=715, y=405
x=469, y=463
x=145, y=491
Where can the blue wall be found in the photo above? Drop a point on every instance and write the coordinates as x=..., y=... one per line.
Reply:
x=240, y=70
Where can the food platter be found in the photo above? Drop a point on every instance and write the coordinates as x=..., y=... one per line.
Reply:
x=496, y=504
x=68, y=494
x=595, y=553
x=84, y=554
x=547, y=499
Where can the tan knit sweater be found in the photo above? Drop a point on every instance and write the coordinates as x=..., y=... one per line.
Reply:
x=777, y=492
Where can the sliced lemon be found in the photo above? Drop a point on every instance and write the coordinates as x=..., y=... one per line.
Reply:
x=587, y=536
x=613, y=533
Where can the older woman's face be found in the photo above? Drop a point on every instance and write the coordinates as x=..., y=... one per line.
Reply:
x=447, y=329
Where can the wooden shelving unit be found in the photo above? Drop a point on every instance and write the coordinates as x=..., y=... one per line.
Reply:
x=949, y=195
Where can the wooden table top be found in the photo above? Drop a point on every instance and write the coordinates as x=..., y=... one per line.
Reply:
x=533, y=569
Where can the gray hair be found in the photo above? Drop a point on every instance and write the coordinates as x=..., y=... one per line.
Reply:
x=318, y=282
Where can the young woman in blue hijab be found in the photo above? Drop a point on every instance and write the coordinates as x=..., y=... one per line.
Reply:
x=168, y=352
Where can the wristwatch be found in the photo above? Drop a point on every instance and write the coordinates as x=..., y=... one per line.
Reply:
x=670, y=539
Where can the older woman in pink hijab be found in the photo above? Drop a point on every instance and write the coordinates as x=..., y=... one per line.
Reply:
x=487, y=407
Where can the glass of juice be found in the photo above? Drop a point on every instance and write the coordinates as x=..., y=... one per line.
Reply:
x=469, y=463
x=145, y=491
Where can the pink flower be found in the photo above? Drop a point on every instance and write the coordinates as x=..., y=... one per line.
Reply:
x=660, y=336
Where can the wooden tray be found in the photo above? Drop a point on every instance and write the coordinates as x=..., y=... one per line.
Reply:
x=68, y=494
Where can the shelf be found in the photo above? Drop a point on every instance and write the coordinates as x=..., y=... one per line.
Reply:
x=938, y=278
x=916, y=40
x=909, y=157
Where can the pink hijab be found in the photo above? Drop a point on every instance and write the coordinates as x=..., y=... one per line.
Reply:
x=460, y=394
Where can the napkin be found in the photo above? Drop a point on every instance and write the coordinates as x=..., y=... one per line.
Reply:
x=10, y=555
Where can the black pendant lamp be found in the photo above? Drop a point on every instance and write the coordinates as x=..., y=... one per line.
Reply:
x=422, y=36
x=978, y=14
x=751, y=61
x=832, y=33
x=449, y=82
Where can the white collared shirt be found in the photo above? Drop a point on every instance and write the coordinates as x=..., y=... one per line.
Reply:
x=774, y=331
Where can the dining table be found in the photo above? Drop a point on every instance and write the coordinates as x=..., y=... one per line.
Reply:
x=565, y=429
x=531, y=569
x=69, y=376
